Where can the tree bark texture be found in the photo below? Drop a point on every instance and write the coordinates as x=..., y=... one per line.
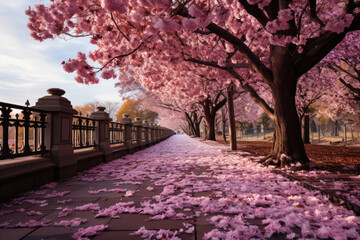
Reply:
x=232, y=130
x=210, y=110
x=223, y=121
x=306, y=129
x=288, y=146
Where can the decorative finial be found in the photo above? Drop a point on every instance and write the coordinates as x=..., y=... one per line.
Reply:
x=27, y=103
x=101, y=109
x=56, y=91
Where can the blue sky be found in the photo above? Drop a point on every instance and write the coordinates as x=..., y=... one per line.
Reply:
x=28, y=67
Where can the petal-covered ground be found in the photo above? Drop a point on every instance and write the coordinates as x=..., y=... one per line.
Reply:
x=181, y=188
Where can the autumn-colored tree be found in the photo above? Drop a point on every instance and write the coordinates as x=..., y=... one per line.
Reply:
x=132, y=107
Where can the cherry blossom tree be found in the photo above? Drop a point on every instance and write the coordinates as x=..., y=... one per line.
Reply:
x=275, y=41
x=311, y=87
x=344, y=61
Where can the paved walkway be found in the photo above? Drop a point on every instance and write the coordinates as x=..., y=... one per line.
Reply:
x=181, y=188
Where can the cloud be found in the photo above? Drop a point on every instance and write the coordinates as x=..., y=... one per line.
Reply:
x=28, y=67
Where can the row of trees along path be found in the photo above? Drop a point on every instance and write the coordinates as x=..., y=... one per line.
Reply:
x=204, y=46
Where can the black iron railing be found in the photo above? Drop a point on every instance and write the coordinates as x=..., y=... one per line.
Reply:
x=116, y=133
x=83, y=132
x=22, y=131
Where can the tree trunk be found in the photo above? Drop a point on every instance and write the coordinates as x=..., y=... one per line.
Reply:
x=197, y=129
x=336, y=128
x=232, y=130
x=197, y=121
x=306, y=129
x=288, y=146
x=223, y=119
x=210, y=114
x=210, y=126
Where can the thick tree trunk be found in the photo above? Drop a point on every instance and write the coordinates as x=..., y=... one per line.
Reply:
x=288, y=146
x=210, y=110
x=197, y=129
x=306, y=129
x=210, y=126
x=232, y=130
x=197, y=121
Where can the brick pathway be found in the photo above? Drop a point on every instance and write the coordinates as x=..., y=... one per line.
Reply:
x=179, y=182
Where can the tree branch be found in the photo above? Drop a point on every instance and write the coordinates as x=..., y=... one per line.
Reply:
x=345, y=71
x=120, y=56
x=238, y=44
x=78, y=36
x=349, y=86
x=254, y=95
x=118, y=28
x=214, y=64
x=255, y=11
x=317, y=48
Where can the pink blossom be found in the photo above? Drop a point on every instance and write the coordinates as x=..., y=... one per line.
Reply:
x=33, y=212
x=56, y=194
x=64, y=201
x=194, y=11
x=75, y=222
x=129, y=193
x=4, y=224
x=34, y=223
x=88, y=207
x=65, y=212
x=82, y=233
x=119, y=6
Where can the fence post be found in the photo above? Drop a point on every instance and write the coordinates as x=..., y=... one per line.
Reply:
x=102, y=138
x=138, y=125
x=146, y=130
x=151, y=133
x=58, y=137
x=156, y=130
x=161, y=133
x=127, y=131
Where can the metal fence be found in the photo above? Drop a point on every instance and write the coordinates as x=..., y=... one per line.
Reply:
x=334, y=132
x=254, y=133
x=22, y=133
x=83, y=132
x=116, y=133
x=329, y=131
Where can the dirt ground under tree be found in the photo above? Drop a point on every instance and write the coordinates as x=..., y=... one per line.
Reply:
x=333, y=158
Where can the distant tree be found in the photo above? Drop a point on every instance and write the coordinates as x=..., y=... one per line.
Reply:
x=132, y=107
x=88, y=108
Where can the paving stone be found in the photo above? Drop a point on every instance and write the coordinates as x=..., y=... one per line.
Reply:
x=201, y=230
x=16, y=217
x=51, y=233
x=75, y=201
x=106, y=202
x=205, y=220
x=143, y=192
x=6, y=206
x=116, y=235
x=14, y=233
x=89, y=215
x=135, y=221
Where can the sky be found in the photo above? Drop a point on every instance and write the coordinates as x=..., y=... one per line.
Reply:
x=28, y=67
